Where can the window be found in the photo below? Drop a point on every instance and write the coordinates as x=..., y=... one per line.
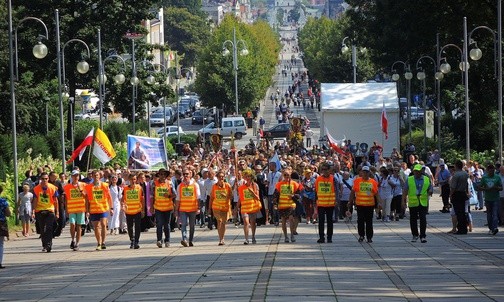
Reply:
x=227, y=124
x=239, y=123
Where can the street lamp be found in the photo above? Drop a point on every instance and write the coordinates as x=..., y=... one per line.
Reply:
x=82, y=67
x=345, y=49
x=408, y=76
x=39, y=51
x=134, y=79
x=422, y=76
x=102, y=78
x=243, y=52
x=476, y=54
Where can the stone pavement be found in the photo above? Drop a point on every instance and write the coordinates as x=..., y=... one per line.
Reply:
x=446, y=268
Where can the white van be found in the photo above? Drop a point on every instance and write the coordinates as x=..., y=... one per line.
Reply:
x=235, y=125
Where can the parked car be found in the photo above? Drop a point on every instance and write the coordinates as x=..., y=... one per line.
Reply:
x=87, y=115
x=156, y=118
x=278, y=131
x=171, y=131
x=235, y=125
x=201, y=117
x=417, y=113
x=184, y=111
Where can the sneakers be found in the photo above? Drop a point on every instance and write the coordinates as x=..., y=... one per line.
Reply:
x=414, y=239
x=159, y=244
x=321, y=240
x=167, y=244
x=246, y=242
x=254, y=241
x=490, y=232
x=76, y=248
x=103, y=246
x=423, y=240
x=361, y=239
x=72, y=245
x=221, y=242
x=190, y=243
x=286, y=240
x=136, y=246
x=329, y=240
x=132, y=244
x=370, y=240
x=184, y=243
x=495, y=231
x=293, y=239
x=98, y=247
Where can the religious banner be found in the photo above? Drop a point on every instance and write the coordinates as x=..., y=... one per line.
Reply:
x=146, y=153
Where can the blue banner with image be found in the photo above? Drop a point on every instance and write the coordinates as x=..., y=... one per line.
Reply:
x=146, y=153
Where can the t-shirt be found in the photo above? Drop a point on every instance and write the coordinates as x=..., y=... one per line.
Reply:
x=490, y=182
x=458, y=181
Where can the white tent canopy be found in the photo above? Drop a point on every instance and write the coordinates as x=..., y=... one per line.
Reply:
x=354, y=111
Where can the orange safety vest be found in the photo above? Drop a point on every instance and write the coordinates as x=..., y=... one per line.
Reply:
x=45, y=198
x=162, y=203
x=98, y=198
x=133, y=198
x=248, y=204
x=286, y=190
x=219, y=197
x=326, y=192
x=365, y=191
x=188, y=198
x=74, y=194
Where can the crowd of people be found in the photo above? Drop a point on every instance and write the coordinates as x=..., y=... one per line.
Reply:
x=276, y=187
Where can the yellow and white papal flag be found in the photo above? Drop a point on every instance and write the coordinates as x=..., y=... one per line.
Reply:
x=102, y=148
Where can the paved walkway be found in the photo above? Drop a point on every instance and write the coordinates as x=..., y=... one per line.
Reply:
x=446, y=268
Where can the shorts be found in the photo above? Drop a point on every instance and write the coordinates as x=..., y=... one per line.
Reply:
x=77, y=218
x=98, y=216
x=25, y=218
x=250, y=216
x=221, y=216
x=286, y=213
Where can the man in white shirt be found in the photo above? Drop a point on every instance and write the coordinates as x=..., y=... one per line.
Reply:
x=271, y=181
x=209, y=182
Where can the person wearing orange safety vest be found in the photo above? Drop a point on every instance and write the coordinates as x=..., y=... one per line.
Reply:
x=363, y=194
x=132, y=205
x=98, y=207
x=76, y=207
x=220, y=204
x=326, y=194
x=45, y=209
x=286, y=191
x=187, y=205
x=249, y=203
x=162, y=195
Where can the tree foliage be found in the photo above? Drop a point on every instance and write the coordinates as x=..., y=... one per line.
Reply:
x=406, y=30
x=215, y=82
x=185, y=32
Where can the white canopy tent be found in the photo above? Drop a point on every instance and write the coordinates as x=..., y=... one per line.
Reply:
x=354, y=111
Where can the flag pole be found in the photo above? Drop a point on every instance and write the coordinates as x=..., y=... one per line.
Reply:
x=91, y=152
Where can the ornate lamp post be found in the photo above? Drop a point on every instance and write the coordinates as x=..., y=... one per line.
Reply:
x=345, y=49
x=40, y=52
x=422, y=76
x=408, y=76
x=243, y=52
x=82, y=67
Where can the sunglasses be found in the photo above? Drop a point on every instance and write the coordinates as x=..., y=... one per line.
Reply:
x=185, y=174
x=286, y=175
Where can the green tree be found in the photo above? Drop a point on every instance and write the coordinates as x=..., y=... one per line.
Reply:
x=280, y=15
x=193, y=6
x=215, y=82
x=185, y=32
